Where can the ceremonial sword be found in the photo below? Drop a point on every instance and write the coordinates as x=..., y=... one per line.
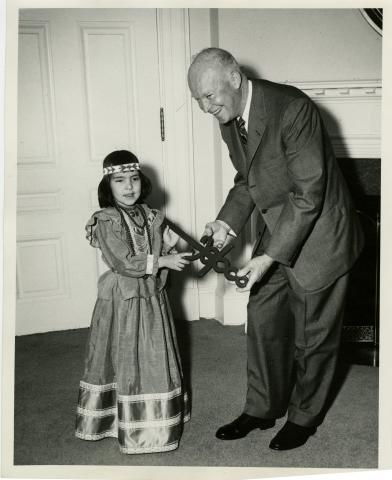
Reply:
x=210, y=256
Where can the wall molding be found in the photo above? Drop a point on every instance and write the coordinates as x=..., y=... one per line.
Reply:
x=56, y=241
x=113, y=28
x=40, y=29
x=234, y=307
x=352, y=88
x=177, y=149
x=352, y=113
x=31, y=203
x=207, y=303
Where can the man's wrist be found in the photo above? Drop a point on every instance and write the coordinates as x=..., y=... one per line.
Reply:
x=227, y=227
x=269, y=259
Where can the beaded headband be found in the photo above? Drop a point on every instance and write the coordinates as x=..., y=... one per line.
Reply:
x=125, y=167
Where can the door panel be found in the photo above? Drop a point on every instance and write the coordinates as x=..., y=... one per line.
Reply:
x=88, y=84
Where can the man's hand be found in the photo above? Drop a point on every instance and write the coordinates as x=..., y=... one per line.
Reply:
x=255, y=269
x=220, y=233
x=175, y=261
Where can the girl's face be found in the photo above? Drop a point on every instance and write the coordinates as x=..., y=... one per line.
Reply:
x=126, y=188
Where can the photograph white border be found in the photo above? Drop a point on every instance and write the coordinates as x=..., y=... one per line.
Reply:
x=10, y=172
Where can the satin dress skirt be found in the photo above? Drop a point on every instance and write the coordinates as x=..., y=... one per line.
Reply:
x=132, y=387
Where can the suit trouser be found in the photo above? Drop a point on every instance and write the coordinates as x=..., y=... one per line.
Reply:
x=293, y=339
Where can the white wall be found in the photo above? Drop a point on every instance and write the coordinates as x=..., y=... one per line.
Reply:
x=298, y=45
x=332, y=54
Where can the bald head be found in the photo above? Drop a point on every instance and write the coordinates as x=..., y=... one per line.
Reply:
x=214, y=58
x=217, y=83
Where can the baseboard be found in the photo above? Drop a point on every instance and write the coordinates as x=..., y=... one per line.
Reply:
x=234, y=306
x=207, y=303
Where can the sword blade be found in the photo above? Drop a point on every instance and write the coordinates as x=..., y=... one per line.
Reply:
x=191, y=241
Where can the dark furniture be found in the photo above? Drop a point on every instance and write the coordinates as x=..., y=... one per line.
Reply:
x=361, y=324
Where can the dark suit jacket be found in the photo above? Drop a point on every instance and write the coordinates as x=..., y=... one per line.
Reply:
x=291, y=176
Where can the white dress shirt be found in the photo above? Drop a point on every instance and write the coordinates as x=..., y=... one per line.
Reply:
x=245, y=116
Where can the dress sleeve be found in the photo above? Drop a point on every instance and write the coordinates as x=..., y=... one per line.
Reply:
x=104, y=232
x=90, y=230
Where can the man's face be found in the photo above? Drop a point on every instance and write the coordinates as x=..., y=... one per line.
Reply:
x=216, y=91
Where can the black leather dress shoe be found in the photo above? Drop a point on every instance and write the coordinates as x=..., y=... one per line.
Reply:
x=241, y=426
x=291, y=436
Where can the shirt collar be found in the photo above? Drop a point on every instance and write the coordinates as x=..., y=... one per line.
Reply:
x=245, y=114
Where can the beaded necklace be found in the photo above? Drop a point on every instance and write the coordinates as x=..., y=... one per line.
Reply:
x=143, y=227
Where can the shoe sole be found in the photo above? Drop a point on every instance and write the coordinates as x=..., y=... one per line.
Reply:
x=280, y=449
x=243, y=436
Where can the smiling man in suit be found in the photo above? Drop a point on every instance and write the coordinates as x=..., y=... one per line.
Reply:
x=308, y=240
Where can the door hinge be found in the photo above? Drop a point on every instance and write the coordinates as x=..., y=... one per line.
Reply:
x=162, y=118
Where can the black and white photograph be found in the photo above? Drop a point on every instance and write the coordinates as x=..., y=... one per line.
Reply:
x=193, y=223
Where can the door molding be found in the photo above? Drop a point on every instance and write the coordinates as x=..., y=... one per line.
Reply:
x=37, y=35
x=107, y=32
x=177, y=147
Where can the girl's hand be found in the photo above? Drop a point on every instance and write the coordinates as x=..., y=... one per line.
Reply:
x=175, y=261
x=169, y=238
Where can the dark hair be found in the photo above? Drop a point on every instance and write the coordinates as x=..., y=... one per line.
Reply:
x=119, y=157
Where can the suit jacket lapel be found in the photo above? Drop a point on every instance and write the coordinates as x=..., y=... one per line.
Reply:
x=257, y=120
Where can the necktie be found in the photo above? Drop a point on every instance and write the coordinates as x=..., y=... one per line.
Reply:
x=242, y=131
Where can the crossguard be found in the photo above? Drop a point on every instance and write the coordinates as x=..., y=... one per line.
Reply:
x=210, y=256
x=215, y=258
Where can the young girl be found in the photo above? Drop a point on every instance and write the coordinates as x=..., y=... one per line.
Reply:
x=132, y=387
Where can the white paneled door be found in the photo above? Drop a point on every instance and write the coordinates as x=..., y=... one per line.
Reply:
x=88, y=83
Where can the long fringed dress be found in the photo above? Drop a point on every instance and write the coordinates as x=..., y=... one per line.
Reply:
x=132, y=387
